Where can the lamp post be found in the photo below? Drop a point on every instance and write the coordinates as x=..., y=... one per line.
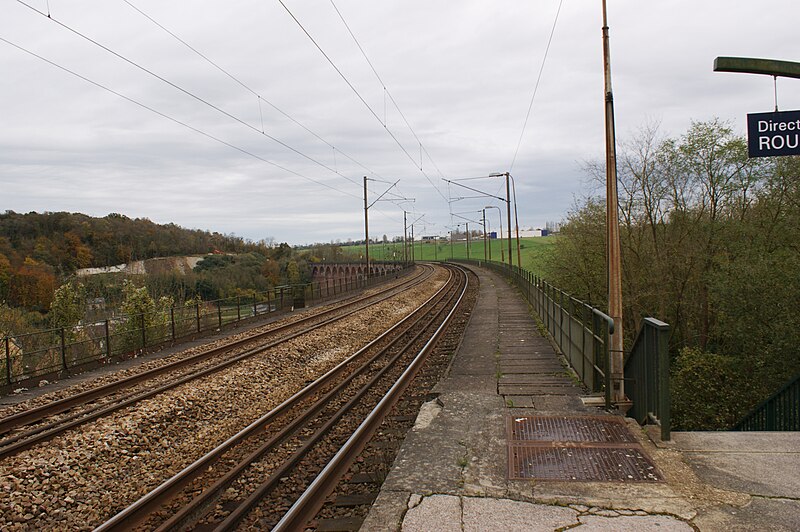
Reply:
x=485, y=257
x=488, y=237
x=405, y=237
x=366, y=226
x=516, y=220
x=612, y=228
x=508, y=210
x=502, y=257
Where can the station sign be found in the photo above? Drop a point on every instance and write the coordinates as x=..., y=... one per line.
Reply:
x=773, y=134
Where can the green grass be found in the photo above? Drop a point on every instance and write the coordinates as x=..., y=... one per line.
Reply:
x=534, y=251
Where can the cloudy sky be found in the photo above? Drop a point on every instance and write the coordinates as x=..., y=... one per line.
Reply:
x=208, y=144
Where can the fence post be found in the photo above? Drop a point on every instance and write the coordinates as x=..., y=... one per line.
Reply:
x=172, y=321
x=665, y=415
x=8, y=360
x=63, y=350
x=255, y=305
x=238, y=308
x=219, y=312
x=108, y=340
x=197, y=315
x=144, y=333
x=607, y=363
x=570, y=311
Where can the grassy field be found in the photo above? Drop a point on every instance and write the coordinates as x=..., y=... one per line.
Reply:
x=534, y=251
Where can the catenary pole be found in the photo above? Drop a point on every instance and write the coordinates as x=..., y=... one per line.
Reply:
x=612, y=228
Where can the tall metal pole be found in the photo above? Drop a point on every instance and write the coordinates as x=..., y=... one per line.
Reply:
x=366, y=226
x=412, y=243
x=451, y=244
x=485, y=250
x=489, y=239
x=516, y=220
x=612, y=227
x=405, y=237
x=508, y=207
x=467, y=226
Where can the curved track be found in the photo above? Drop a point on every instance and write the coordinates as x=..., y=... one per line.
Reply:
x=303, y=445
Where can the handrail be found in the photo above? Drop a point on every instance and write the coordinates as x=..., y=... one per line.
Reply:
x=580, y=332
x=647, y=373
x=779, y=412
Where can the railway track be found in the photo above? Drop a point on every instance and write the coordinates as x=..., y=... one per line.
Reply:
x=276, y=472
x=24, y=429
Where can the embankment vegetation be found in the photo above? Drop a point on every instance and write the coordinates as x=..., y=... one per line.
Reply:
x=711, y=245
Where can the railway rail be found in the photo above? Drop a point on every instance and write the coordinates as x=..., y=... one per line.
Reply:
x=24, y=429
x=277, y=471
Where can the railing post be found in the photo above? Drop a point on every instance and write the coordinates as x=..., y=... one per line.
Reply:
x=255, y=305
x=570, y=310
x=172, y=322
x=238, y=308
x=665, y=415
x=108, y=340
x=8, y=359
x=219, y=312
x=197, y=315
x=63, y=350
x=607, y=363
x=144, y=332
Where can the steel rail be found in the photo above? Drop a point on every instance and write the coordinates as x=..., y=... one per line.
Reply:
x=193, y=509
x=55, y=407
x=241, y=511
x=137, y=512
x=312, y=499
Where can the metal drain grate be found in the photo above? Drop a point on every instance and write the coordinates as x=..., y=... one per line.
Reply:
x=569, y=429
x=581, y=448
x=581, y=463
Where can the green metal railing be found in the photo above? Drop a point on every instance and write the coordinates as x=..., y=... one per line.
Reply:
x=62, y=351
x=581, y=332
x=647, y=376
x=781, y=412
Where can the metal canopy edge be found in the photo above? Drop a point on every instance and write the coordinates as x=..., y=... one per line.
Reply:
x=750, y=65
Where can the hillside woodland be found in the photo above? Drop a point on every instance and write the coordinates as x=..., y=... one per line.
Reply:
x=710, y=245
x=40, y=253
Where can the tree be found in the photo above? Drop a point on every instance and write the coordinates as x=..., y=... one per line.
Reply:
x=69, y=305
x=709, y=245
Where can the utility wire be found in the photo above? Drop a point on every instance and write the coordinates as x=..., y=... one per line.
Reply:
x=387, y=92
x=181, y=89
x=254, y=93
x=536, y=87
x=358, y=94
x=174, y=120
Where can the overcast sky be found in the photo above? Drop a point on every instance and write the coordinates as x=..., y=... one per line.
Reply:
x=462, y=73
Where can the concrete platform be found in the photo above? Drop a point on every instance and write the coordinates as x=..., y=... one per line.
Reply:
x=451, y=473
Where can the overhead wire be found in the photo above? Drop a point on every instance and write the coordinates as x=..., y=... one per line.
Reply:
x=360, y=97
x=174, y=120
x=388, y=93
x=185, y=91
x=254, y=93
x=536, y=87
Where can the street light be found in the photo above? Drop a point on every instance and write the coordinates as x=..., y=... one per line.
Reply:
x=508, y=209
x=502, y=257
x=485, y=257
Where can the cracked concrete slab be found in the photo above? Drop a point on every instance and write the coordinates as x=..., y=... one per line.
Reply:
x=640, y=523
x=485, y=515
x=437, y=513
